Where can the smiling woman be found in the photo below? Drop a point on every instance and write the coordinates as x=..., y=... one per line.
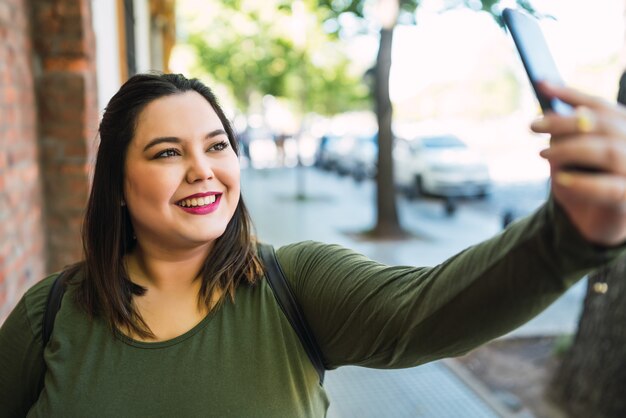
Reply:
x=170, y=313
x=181, y=190
x=176, y=146
x=166, y=176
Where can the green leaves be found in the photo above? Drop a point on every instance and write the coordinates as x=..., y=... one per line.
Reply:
x=278, y=48
x=293, y=49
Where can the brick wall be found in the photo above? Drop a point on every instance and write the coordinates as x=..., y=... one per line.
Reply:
x=22, y=247
x=48, y=123
x=68, y=116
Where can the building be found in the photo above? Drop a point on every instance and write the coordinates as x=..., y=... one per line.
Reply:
x=60, y=62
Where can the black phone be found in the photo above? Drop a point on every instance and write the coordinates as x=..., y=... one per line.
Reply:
x=536, y=57
x=539, y=64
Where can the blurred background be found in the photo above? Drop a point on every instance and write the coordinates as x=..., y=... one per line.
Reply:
x=398, y=128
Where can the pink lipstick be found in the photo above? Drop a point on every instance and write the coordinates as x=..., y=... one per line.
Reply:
x=200, y=203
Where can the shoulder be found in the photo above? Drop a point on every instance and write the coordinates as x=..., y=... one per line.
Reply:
x=34, y=302
x=26, y=317
x=41, y=288
x=306, y=251
x=38, y=293
x=312, y=256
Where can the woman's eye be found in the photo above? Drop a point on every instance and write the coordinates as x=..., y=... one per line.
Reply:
x=220, y=146
x=167, y=153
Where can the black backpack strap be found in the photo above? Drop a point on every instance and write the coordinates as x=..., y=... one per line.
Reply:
x=53, y=304
x=288, y=303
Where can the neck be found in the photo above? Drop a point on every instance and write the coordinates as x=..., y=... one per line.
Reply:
x=171, y=306
x=167, y=270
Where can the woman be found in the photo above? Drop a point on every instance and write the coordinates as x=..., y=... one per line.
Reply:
x=169, y=314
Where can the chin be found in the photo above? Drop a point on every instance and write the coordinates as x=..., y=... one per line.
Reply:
x=206, y=237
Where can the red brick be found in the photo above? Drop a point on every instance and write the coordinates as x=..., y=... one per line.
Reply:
x=22, y=223
x=75, y=169
x=61, y=133
x=76, y=64
x=64, y=44
x=3, y=292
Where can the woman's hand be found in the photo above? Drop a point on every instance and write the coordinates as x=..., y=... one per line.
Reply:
x=593, y=137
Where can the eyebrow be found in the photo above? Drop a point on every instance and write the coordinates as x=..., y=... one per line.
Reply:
x=175, y=140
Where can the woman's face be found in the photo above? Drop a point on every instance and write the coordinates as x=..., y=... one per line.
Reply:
x=182, y=175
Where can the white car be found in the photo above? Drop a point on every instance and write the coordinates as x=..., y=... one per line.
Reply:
x=440, y=165
x=261, y=148
x=332, y=152
x=365, y=158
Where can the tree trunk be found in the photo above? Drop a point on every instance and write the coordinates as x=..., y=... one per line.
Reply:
x=387, y=222
x=591, y=380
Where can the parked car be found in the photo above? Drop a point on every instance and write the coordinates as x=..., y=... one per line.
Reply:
x=332, y=148
x=261, y=147
x=364, y=157
x=441, y=165
x=360, y=160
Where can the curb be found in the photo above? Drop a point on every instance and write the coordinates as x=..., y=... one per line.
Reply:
x=481, y=390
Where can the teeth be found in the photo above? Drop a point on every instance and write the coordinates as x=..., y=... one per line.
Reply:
x=197, y=201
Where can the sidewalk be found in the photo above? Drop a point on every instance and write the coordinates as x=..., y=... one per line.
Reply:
x=336, y=207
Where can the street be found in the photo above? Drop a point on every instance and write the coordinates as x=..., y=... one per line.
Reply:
x=335, y=210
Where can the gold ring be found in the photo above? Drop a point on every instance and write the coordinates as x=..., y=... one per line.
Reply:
x=600, y=287
x=585, y=119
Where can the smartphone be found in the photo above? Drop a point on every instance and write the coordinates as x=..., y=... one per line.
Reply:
x=539, y=64
x=536, y=57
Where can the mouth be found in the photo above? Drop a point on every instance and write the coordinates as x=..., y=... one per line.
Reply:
x=199, y=200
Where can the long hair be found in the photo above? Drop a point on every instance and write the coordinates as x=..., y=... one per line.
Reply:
x=105, y=289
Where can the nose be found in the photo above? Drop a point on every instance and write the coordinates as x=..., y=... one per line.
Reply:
x=199, y=168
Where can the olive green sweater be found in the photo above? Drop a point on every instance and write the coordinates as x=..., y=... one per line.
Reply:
x=244, y=359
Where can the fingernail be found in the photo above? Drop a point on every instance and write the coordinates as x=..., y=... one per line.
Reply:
x=545, y=153
x=539, y=125
x=564, y=179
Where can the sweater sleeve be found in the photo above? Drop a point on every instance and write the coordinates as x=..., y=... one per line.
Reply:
x=21, y=352
x=369, y=314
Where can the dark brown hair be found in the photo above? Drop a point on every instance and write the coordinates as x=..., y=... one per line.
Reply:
x=106, y=289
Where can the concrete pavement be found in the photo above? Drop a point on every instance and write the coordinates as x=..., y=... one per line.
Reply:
x=334, y=209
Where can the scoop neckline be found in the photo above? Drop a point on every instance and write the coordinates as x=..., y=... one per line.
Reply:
x=172, y=341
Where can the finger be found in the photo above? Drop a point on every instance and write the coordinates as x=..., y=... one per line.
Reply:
x=584, y=120
x=603, y=189
x=573, y=97
x=586, y=151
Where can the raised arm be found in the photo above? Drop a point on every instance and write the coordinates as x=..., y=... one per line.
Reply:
x=365, y=313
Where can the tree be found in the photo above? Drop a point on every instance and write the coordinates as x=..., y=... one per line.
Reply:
x=260, y=48
x=591, y=379
x=387, y=221
x=388, y=14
